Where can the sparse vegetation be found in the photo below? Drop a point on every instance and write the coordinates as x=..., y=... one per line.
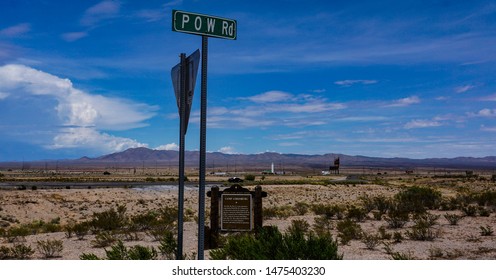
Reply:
x=453, y=218
x=50, y=248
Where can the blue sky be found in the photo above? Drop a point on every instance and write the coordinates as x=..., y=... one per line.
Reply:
x=376, y=78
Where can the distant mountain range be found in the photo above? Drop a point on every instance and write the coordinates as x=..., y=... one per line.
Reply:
x=288, y=161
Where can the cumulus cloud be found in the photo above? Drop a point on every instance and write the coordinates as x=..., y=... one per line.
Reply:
x=403, y=102
x=168, y=147
x=227, y=150
x=81, y=115
x=421, y=124
x=486, y=113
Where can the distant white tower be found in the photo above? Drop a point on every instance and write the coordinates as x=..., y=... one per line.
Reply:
x=272, y=168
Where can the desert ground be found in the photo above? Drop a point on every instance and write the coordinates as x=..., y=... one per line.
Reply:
x=290, y=197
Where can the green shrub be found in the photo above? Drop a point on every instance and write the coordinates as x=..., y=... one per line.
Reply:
x=348, y=230
x=50, y=248
x=371, y=240
x=103, y=239
x=322, y=225
x=109, y=220
x=17, y=252
x=89, y=257
x=418, y=199
x=423, y=229
x=81, y=229
x=249, y=177
x=270, y=244
x=453, y=218
x=168, y=246
x=301, y=208
x=356, y=213
x=397, y=216
x=137, y=252
x=17, y=234
x=299, y=227
x=470, y=210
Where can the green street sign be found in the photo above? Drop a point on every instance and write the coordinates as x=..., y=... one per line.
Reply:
x=205, y=25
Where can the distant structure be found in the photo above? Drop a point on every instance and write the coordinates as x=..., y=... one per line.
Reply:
x=334, y=169
x=272, y=168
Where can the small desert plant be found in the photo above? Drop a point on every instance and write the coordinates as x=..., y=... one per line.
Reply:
x=453, y=218
x=484, y=212
x=348, y=230
x=109, y=220
x=486, y=231
x=371, y=240
x=81, y=229
x=17, y=234
x=322, y=225
x=470, y=210
x=356, y=213
x=397, y=255
x=89, y=257
x=168, y=246
x=17, y=252
x=249, y=177
x=383, y=234
x=50, y=248
x=397, y=216
x=423, y=229
x=299, y=227
x=137, y=252
x=301, y=208
x=103, y=239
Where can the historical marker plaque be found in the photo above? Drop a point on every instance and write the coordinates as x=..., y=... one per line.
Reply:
x=236, y=212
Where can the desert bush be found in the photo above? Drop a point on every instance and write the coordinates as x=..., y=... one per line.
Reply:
x=108, y=220
x=17, y=252
x=348, y=230
x=137, y=252
x=168, y=246
x=453, y=218
x=418, y=199
x=81, y=229
x=322, y=225
x=89, y=257
x=397, y=216
x=486, y=231
x=301, y=208
x=398, y=255
x=371, y=240
x=357, y=214
x=17, y=234
x=423, y=229
x=103, y=239
x=383, y=234
x=397, y=237
x=486, y=198
x=469, y=210
x=280, y=212
x=144, y=221
x=50, y=248
x=249, y=177
x=270, y=244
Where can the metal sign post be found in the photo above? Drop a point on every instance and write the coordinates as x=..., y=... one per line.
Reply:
x=183, y=79
x=206, y=26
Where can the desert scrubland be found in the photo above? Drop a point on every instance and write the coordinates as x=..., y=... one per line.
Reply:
x=391, y=215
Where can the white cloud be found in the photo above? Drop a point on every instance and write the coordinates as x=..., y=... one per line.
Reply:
x=74, y=36
x=227, y=150
x=3, y=95
x=463, y=89
x=89, y=138
x=16, y=30
x=104, y=10
x=82, y=115
x=421, y=124
x=488, y=128
x=489, y=98
x=403, y=102
x=348, y=83
x=271, y=96
x=168, y=147
x=486, y=113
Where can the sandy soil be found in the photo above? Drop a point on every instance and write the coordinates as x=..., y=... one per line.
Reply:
x=462, y=241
